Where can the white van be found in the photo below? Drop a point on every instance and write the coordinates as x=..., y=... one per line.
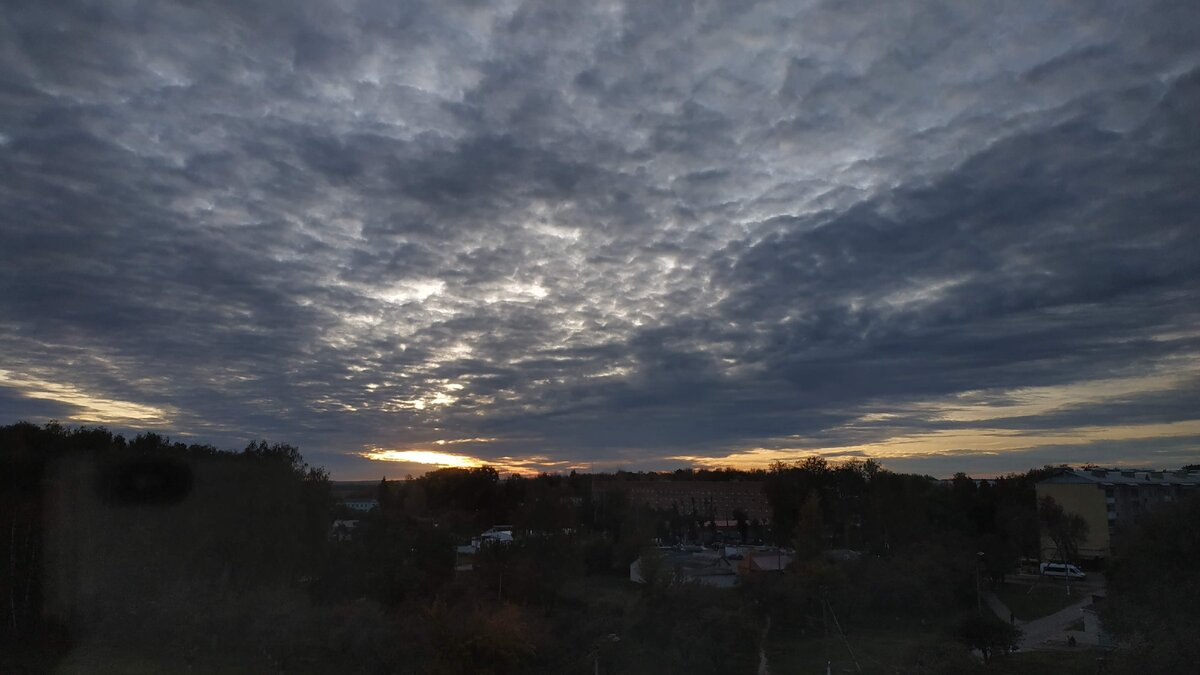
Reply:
x=1061, y=570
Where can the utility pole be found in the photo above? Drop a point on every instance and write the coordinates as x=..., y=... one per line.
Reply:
x=978, y=596
x=825, y=628
x=1066, y=570
x=842, y=634
x=599, y=642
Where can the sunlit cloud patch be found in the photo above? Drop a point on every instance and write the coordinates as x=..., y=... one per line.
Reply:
x=86, y=407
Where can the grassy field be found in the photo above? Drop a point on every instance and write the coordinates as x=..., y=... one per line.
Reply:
x=1073, y=662
x=1034, y=602
x=900, y=647
x=890, y=651
x=617, y=590
x=91, y=658
x=876, y=651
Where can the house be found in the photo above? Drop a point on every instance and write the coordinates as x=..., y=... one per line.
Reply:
x=1105, y=498
x=497, y=534
x=342, y=530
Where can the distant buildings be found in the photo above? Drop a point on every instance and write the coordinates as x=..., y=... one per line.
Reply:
x=361, y=505
x=979, y=482
x=497, y=534
x=1105, y=498
x=712, y=500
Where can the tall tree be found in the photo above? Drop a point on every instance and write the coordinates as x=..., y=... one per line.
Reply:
x=1154, y=590
x=809, y=539
x=1067, y=530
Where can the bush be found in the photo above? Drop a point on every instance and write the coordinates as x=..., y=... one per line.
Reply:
x=988, y=634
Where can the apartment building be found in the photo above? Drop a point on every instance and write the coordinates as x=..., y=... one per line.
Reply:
x=1105, y=498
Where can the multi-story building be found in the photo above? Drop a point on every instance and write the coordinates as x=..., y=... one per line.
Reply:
x=1105, y=498
x=361, y=505
x=714, y=500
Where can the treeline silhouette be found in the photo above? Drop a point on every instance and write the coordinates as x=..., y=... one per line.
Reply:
x=109, y=534
x=147, y=554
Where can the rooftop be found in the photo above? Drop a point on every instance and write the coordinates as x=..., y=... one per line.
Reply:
x=1124, y=477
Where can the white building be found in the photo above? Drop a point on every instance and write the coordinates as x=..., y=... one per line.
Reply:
x=361, y=505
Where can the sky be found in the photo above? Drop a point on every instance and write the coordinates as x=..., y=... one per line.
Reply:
x=951, y=236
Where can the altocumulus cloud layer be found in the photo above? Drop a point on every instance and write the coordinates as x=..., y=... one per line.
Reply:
x=949, y=235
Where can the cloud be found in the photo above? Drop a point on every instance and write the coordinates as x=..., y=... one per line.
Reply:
x=610, y=234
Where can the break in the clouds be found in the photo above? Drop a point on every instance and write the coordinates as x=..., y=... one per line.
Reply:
x=550, y=235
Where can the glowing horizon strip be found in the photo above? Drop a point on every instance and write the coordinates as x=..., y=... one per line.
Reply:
x=442, y=459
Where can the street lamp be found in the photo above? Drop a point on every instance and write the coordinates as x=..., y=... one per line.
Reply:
x=611, y=637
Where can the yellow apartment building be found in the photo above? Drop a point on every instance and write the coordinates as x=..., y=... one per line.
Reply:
x=1106, y=498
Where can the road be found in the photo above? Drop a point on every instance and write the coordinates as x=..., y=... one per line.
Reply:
x=763, y=667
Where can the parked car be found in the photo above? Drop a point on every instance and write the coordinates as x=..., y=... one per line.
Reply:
x=1061, y=570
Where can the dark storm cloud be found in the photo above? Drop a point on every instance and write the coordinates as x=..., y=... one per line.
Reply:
x=613, y=233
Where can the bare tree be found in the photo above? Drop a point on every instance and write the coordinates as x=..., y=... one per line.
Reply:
x=1066, y=530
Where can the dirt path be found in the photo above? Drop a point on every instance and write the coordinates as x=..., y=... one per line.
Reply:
x=1038, y=631
x=1000, y=608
